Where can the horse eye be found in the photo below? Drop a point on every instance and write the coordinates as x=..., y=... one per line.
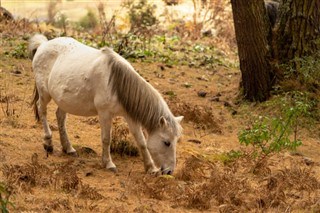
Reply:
x=167, y=143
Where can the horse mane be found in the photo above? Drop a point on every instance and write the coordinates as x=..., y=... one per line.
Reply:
x=142, y=102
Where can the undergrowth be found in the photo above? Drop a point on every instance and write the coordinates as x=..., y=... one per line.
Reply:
x=9, y=99
x=302, y=74
x=120, y=142
x=61, y=177
x=202, y=184
x=161, y=48
x=5, y=202
x=272, y=134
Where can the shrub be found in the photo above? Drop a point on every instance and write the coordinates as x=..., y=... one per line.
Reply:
x=19, y=52
x=4, y=198
x=272, y=135
x=61, y=21
x=89, y=21
x=303, y=74
x=142, y=15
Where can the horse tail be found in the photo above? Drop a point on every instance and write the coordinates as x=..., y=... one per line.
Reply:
x=34, y=103
x=34, y=42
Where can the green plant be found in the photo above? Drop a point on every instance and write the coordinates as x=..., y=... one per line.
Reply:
x=61, y=21
x=303, y=74
x=169, y=50
x=4, y=198
x=171, y=94
x=272, y=135
x=19, y=52
x=225, y=157
x=89, y=21
x=141, y=15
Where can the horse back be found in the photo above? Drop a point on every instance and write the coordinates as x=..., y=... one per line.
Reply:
x=72, y=73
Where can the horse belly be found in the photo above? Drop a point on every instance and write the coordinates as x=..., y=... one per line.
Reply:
x=74, y=78
x=73, y=95
x=75, y=104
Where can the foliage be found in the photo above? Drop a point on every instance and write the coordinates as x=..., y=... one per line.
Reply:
x=225, y=157
x=272, y=135
x=170, y=50
x=303, y=73
x=4, y=198
x=142, y=15
x=61, y=21
x=89, y=21
x=171, y=94
x=231, y=156
x=19, y=52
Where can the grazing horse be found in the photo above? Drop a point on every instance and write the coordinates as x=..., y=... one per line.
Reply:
x=86, y=81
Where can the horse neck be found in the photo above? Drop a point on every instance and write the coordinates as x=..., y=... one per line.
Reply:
x=141, y=101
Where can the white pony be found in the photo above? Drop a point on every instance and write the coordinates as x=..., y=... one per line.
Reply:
x=86, y=81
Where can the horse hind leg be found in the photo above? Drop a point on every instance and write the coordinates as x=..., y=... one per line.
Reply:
x=42, y=103
x=65, y=143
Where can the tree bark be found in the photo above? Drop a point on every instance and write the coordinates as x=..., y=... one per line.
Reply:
x=251, y=35
x=298, y=29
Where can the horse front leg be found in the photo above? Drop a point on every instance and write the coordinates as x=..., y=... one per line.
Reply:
x=105, y=123
x=65, y=143
x=137, y=132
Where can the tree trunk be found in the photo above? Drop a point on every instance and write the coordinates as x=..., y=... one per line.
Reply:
x=298, y=29
x=251, y=35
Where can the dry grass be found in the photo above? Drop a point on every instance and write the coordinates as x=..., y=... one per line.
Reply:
x=61, y=177
x=120, y=140
x=121, y=143
x=202, y=116
x=12, y=29
x=201, y=184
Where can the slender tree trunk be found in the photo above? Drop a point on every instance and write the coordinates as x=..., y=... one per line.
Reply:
x=251, y=35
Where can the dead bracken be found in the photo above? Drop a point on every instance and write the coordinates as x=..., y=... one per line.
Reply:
x=202, y=184
x=61, y=177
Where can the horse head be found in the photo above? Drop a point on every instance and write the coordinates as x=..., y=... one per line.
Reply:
x=162, y=143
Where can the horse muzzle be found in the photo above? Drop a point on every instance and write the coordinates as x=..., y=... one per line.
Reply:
x=166, y=170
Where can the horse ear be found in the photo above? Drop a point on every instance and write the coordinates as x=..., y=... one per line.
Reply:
x=163, y=121
x=179, y=118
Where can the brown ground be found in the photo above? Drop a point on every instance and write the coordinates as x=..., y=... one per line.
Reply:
x=60, y=183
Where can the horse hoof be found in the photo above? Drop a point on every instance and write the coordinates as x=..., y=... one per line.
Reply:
x=73, y=154
x=154, y=172
x=48, y=148
x=113, y=169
